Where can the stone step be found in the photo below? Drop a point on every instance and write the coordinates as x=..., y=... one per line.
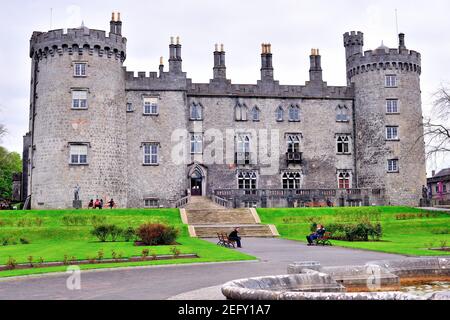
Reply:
x=202, y=203
x=222, y=216
x=250, y=231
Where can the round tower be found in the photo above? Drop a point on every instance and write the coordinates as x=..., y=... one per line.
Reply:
x=390, y=149
x=77, y=116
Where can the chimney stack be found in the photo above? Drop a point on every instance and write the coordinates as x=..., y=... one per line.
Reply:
x=315, y=71
x=266, y=62
x=115, y=24
x=401, y=42
x=175, y=61
x=220, y=69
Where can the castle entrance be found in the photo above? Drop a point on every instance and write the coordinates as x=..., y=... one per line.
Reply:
x=197, y=180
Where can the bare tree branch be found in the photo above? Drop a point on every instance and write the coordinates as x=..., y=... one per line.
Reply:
x=437, y=131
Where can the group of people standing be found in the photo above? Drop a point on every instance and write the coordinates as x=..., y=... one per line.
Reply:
x=99, y=204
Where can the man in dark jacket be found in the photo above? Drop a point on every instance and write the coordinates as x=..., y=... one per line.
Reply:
x=234, y=236
x=320, y=232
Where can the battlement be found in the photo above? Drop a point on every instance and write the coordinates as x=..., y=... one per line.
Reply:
x=77, y=40
x=144, y=81
x=382, y=58
x=353, y=38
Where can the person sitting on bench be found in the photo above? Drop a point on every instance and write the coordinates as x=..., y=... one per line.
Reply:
x=320, y=232
x=235, y=237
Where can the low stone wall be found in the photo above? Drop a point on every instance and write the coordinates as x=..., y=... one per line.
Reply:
x=309, y=281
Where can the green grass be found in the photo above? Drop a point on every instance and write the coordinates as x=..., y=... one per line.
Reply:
x=51, y=239
x=408, y=237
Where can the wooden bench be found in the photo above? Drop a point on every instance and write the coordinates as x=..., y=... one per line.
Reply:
x=224, y=241
x=325, y=240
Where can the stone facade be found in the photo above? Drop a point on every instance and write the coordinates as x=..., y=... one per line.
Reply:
x=118, y=129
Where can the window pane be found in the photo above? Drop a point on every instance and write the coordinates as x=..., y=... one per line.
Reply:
x=83, y=159
x=74, y=158
x=81, y=94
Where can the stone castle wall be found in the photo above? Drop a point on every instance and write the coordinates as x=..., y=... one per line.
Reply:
x=116, y=137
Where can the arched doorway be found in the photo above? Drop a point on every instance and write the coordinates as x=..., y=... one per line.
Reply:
x=197, y=180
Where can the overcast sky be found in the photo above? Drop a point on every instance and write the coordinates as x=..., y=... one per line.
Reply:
x=292, y=27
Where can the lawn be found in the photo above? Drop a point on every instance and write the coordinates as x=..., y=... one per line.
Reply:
x=52, y=239
x=412, y=236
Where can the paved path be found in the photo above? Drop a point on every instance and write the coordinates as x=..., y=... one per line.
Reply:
x=189, y=281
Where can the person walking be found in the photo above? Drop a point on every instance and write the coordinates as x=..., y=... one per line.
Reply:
x=97, y=204
x=111, y=203
x=101, y=204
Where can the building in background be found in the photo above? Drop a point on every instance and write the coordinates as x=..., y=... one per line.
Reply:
x=439, y=188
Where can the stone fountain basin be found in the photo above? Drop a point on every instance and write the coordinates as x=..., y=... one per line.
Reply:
x=310, y=281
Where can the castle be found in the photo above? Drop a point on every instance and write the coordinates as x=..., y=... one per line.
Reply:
x=157, y=139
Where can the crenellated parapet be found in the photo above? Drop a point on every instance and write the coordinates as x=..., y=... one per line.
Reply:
x=391, y=59
x=382, y=58
x=77, y=41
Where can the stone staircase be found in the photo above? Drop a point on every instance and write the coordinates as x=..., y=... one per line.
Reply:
x=206, y=218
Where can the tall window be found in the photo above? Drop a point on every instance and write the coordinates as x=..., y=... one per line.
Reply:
x=343, y=144
x=342, y=114
x=392, y=133
x=247, y=180
x=79, y=99
x=78, y=154
x=279, y=114
x=79, y=69
x=294, y=113
x=291, y=180
x=243, y=155
x=196, y=111
x=196, y=143
x=240, y=112
x=344, y=180
x=150, y=153
x=255, y=114
x=392, y=106
x=391, y=81
x=150, y=106
x=393, y=166
x=293, y=143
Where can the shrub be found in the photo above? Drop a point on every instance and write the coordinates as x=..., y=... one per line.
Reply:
x=356, y=232
x=66, y=260
x=40, y=261
x=444, y=244
x=101, y=232
x=98, y=220
x=440, y=231
x=129, y=234
x=115, y=232
x=156, y=234
x=74, y=220
x=24, y=241
x=11, y=263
